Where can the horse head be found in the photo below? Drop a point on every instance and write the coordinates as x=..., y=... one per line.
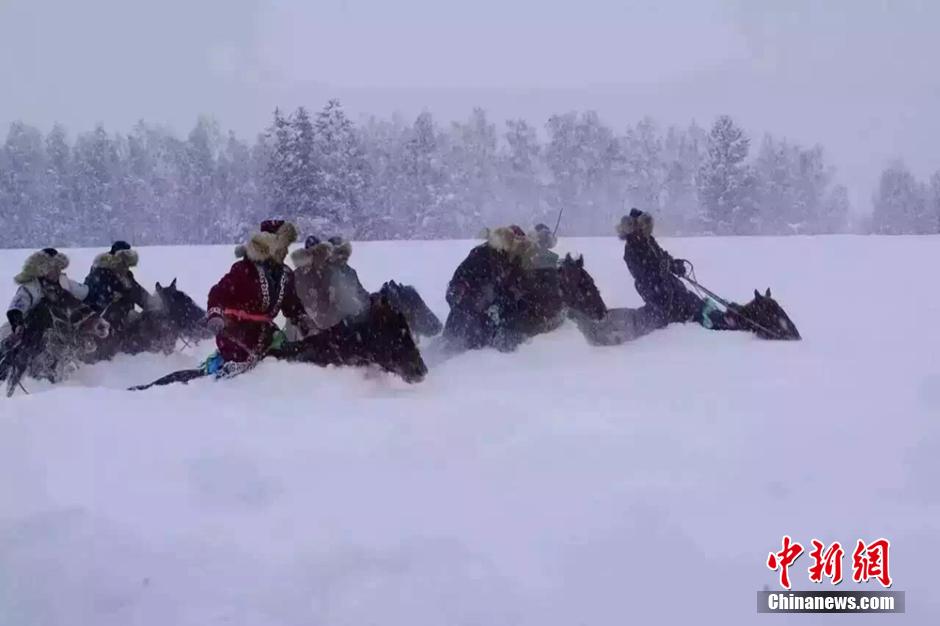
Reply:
x=390, y=343
x=182, y=312
x=405, y=298
x=578, y=289
x=766, y=318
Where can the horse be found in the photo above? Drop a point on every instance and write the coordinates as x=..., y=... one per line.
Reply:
x=543, y=299
x=405, y=298
x=170, y=315
x=764, y=317
x=556, y=294
x=380, y=336
x=54, y=340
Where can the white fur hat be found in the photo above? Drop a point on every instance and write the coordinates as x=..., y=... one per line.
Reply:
x=270, y=242
x=637, y=221
x=46, y=263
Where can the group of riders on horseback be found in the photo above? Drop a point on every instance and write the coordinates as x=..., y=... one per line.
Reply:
x=509, y=288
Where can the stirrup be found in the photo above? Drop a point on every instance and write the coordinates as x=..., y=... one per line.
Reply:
x=709, y=307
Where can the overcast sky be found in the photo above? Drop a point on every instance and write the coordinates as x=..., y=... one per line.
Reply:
x=858, y=76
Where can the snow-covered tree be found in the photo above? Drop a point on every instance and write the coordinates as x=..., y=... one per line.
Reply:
x=423, y=180
x=932, y=216
x=342, y=173
x=900, y=203
x=59, y=207
x=238, y=189
x=644, y=169
x=383, y=149
x=776, y=193
x=22, y=172
x=280, y=167
x=97, y=171
x=471, y=165
x=834, y=212
x=390, y=178
x=726, y=181
x=683, y=153
x=198, y=167
x=583, y=157
x=520, y=174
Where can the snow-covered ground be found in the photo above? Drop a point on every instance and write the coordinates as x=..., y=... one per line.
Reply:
x=562, y=484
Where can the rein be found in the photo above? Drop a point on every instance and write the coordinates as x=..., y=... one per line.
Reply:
x=701, y=289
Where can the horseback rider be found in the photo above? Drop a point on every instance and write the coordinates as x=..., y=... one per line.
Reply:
x=545, y=240
x=488, y=287
x=656, y=276
x=541, y=277
x=348, y=295
x=112, y=289
x=326, y=285
x=47, y=300
x=244, y=303
x=43, y=279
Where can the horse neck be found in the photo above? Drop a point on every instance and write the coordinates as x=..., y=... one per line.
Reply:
x=570, y=297
x=748, y=315
x=155, y=302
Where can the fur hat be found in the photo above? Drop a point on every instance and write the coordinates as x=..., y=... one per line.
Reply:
x=119, y=259
x=342, y=249
x=315, y=253
x=637, y=222
x=119, y=245
x=46, y=263
x=511, y=239
x=271, y=242
x=544, y=236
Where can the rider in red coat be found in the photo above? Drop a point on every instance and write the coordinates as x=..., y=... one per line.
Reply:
x=245, y=302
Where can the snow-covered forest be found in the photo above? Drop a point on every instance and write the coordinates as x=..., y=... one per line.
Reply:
x=396, y=178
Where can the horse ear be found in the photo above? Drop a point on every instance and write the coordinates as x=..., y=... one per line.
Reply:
x=767, y=293
x=756, y=295
x=173, y=284
x=159, y=287
x=580, y=261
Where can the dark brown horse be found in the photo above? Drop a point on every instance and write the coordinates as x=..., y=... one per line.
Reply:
x=381, y=336
x=54, y=340
x=762, y=316
x=171, y=316
x=536, y=301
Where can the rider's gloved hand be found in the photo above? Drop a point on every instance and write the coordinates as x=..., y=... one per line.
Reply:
x=102, y=328
x=305, y=324
x=15, y=317
x=665, y=267
x=678, y=267
x=215, y=324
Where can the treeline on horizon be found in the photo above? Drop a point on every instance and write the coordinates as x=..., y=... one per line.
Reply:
x=398, y=179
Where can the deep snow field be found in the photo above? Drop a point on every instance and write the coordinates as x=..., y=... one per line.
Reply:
x=562, y=484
